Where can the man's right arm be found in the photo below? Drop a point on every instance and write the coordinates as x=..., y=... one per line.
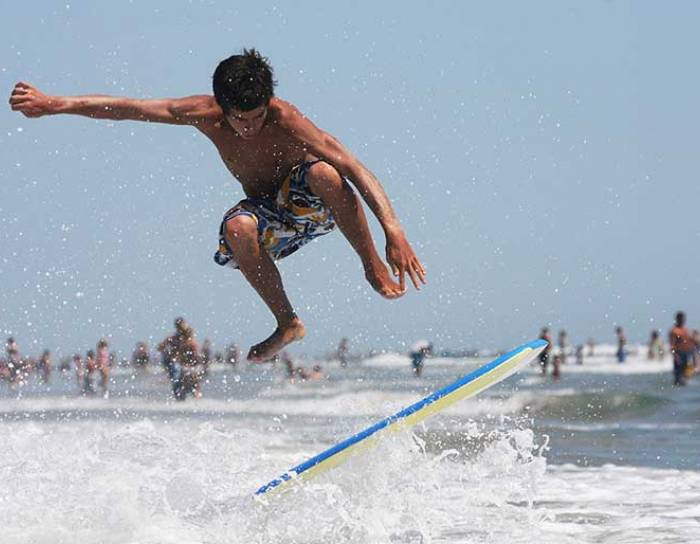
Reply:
x=191, y=110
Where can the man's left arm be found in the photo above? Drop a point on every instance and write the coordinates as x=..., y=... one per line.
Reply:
x=399, y=253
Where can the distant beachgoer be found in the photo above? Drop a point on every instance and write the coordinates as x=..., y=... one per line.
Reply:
x=44, y=366
x=418, y=355
x=299, y=372
x=233, y=355
x=141, y=358
x=579, y=354
x=171, y=361
x=621, y=352
x=167, y=358
x=289, y=365
x=315, y=374
x=556, y=366
x=591, y=347
x=682, y=348
x=218, y=358
x=65, y=365
x=90, y=367
x=343, y=349
x=11, y=348
x=4, y=371
x=184, y=365
x=546, y=352
x=102, y=361
x=16, y=367
x=79, y=371
x=205, y=358
x=188, y=355
x=563, y=345
x=656, y=346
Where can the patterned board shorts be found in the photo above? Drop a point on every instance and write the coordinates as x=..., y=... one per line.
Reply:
x=294, y=218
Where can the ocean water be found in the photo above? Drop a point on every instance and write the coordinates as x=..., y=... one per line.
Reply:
x=609, y=453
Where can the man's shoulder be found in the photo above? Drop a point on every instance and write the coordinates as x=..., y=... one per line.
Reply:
x=285, y=114
x=287, y=117
x=279, y=106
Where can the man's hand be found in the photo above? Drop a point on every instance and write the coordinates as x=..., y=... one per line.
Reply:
x=30, y=101
x=402, y=260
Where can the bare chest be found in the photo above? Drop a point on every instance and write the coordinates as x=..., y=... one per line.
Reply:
x=260, y=164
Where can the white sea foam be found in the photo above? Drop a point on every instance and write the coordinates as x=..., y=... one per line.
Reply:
x=148, y=482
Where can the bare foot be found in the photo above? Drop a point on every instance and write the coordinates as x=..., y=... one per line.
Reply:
x=283, y=336
x=378, y=277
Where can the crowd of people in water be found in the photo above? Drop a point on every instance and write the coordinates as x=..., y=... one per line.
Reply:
x=683, y=345
x=187, y=363
x=183, y=359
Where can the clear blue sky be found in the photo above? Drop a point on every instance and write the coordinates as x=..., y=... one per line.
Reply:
x=542, y=156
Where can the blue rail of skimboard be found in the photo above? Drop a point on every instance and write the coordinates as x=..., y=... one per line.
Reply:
x=300, y=469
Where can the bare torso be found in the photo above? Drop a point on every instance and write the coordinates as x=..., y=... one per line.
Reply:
x=261, y=163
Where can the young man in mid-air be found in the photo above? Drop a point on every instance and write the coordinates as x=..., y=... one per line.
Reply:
x=295, y=177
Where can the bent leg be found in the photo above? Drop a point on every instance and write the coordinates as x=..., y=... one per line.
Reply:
x=257, y=267
x=326, y=183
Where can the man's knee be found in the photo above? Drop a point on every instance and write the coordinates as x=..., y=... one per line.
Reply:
x=241, y=230
x=323, y=177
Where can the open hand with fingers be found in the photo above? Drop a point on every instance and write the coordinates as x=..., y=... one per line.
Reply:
x=403, y=261
x=31, y=102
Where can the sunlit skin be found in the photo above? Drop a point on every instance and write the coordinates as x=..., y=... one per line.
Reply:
x=260, y=147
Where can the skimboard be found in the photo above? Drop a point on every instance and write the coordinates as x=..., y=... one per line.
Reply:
x=473, y=383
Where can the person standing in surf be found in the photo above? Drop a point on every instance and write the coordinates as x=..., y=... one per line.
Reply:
x=182, y=353
x=682, y=348
x=296, y=178
x=563, y=345
x=343, y=350
x=102, y=360
x=621, y=352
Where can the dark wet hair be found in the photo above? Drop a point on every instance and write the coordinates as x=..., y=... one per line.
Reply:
x=243, y=82
x=680, y=318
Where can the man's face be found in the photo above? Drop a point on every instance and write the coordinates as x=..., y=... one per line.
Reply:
x=247, y=124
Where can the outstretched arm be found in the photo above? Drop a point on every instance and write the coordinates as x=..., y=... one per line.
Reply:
x=399, y=253
x=191, y=110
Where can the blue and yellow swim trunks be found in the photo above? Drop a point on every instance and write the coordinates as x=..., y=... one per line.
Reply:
x=294, y=218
